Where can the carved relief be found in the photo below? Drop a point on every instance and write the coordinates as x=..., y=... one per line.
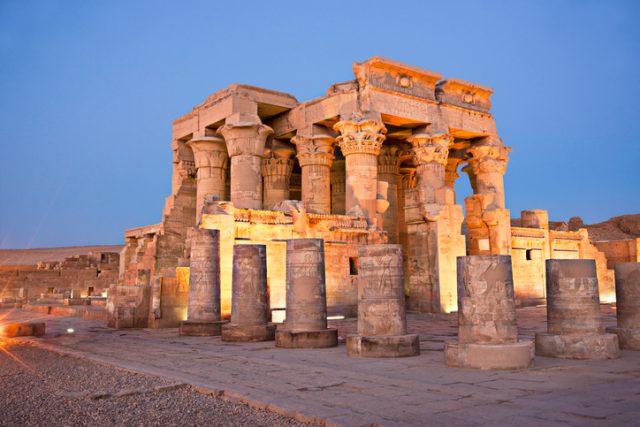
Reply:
x=360, y=136
x=488, y=158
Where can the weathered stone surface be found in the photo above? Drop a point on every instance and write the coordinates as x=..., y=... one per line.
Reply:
x=128, y=306
x=204, y=284
x=628, y=305
x=486, y=309
x=250, y=303
x=487, y=329
x=382, y=322
x=573, y=314
x=27, y=329
x=517, y=355
x=306, y=318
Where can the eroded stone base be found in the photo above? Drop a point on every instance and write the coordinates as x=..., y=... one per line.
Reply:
x=307, y=339
x=383, y=346
x=577, y=346
x=201, y=329
x=35, y=329
x=252, y=333
x=489, y=356
x=628, y=339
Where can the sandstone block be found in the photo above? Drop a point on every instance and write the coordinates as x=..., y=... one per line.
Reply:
x=573, y=314
x=35, y=329
x=487, y=329
x=627, y=276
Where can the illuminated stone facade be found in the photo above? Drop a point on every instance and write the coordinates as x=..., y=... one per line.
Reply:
x=372, y=161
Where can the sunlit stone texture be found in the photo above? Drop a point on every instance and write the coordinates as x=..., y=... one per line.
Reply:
x=25, y=329
x=204, y=285
x=211, y=160
x=382, y=323
x=306, y=318
x=249, y=301
x=574, y=328
x=245, y=136
x=627, y=305
x=487, y=329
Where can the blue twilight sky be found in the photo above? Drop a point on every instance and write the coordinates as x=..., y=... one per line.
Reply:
x=88, y=91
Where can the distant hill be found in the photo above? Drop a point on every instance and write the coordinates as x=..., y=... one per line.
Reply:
x=616, y=228
x=33, y=256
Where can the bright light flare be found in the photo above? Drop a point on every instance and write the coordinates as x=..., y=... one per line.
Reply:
x=70, y=330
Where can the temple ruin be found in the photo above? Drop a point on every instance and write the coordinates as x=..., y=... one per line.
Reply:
x=372, y=161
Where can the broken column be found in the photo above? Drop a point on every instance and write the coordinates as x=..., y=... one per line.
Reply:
x=360, y=142
x=627, y=305
x=245, y=136
x=574, y=327
x=306, y=312
x=488, y=221
x=382, y=323
x=249, y=300
x=487, y=329
x=203, y=309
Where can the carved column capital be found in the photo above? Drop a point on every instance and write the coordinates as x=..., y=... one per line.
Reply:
x=360, y=136
x=209, y=151
x=314, y=150
x=274, y=166
x=389, y=160
x=488, y=159
x=245, y=135
x=428, y=148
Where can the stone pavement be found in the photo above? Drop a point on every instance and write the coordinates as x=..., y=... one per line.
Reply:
x=326, y=386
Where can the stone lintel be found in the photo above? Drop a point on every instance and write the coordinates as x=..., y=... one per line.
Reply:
x=383, y=74
x=464, y=94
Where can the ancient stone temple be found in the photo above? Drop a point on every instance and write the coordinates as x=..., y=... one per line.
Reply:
x=372, y=161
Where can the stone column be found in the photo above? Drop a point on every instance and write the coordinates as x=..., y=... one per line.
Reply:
x=627, y=305
x=338, y=187
x=488, y=221
x=203, y=310
x=430, y=151
x=382, y=323
x=306, y=321
x=574, y=328
x=360, y=142
x=276, y=171
x=211, y=160
x=489, y=164
x=389, y=172
x=249, y=301
x=245, y=136
x=315, y=155
x=487, y=329
x=434, y=238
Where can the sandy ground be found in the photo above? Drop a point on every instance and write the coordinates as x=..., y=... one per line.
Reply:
x=42, y=388
x=33, y=256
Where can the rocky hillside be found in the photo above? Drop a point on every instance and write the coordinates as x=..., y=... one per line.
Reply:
x=616, y=228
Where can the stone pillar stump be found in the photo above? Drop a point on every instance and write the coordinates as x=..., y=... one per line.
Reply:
x=487, y=329
x=627, y=305
x=306, y=312
x=382, y=323
x=574, y=327
x=203, y=309
x=249, y=300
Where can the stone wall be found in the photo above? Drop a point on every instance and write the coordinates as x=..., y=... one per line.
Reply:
x=77, y=276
